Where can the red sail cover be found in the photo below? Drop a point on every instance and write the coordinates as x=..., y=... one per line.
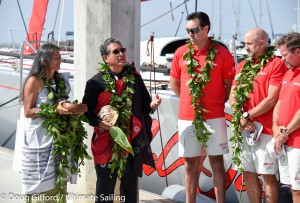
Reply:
x=36, y=24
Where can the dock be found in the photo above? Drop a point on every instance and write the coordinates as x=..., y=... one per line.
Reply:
x=11, y=188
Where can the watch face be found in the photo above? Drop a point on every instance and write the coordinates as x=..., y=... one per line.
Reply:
x=246, y=115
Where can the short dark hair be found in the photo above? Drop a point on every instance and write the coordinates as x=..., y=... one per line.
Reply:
x=290, y=40
x=202, y=17
x=104, y=47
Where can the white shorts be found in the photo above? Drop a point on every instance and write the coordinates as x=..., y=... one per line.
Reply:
x=217, y=143
x=289, y=167
x=257, y=159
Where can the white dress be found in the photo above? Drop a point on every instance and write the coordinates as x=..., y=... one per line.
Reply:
x=38, y=165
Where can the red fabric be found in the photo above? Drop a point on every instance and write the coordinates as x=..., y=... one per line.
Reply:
x=290, y=103
x=272, y=74
x=102, y=143
x=214, y=91
x=36, y=24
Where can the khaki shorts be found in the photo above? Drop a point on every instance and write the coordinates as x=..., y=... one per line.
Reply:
x=257, y=159
x=289, y=167
x=217, y=143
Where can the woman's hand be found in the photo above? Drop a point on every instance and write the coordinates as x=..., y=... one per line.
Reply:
x=155, y=102
x=61, y=109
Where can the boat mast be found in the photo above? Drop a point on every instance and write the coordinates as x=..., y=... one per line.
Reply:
x=220, y=21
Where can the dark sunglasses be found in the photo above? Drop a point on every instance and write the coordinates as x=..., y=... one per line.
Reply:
x=194, y=30
x=117, y=51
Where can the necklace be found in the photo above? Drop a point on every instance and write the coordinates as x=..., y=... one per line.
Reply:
x=56, y=91
x=196, y=84
x=66, y=130
x=244, y=79
x=122, y=103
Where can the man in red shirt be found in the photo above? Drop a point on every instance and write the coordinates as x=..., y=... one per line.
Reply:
x=286, y=116
x=214, y=93
x=258, y=106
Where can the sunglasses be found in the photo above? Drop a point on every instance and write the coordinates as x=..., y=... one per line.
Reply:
x=117, y=51
x=194, y=30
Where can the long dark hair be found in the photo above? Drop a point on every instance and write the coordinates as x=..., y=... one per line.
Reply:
x=41, y=64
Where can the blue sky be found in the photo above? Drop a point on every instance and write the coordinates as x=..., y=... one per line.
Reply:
x=283, y=15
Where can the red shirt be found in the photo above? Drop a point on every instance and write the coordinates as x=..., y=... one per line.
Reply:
x=214, y=91
x=271, y=74
x=290, y=103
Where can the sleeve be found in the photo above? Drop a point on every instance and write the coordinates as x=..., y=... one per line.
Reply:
x=92, y=90
x=146, y=97
x=228, y=69
x=278, y=71
x=238, y=70
x=175, y=68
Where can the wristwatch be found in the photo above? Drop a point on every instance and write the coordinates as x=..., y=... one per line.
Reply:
x=246, y=115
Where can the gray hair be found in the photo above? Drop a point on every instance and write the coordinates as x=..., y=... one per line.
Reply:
x=104, y=47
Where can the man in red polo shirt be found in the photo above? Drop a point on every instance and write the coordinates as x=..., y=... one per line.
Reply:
x=214, y=94
x=286, y=116
x=266, y=80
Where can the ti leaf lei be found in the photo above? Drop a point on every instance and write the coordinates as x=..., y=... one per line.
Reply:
x=122, y=103
x=197, y=84
x=67, y=131
x=241, y=93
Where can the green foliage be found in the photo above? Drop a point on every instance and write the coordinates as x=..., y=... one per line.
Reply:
x=56, y=92
x=197, y=84
x=244, y=86
x=67, y=131
x=122, y=103
x=68, y=135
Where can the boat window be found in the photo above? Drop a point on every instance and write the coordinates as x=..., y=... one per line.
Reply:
x=171, y=47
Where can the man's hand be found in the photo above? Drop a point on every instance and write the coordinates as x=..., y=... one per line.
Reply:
x=156, y=100
x=279, y=136
x=247, y=125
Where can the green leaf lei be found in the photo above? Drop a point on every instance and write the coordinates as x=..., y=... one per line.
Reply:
x=122, y=103
x=67, y=131
x=197, y=84
x=241, y=93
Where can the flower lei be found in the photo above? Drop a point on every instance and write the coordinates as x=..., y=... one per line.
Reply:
x=122, y=103
x=197, y=84
x=241, y=92
x=67, y=131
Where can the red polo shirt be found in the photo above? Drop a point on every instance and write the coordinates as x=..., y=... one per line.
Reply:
x=214, y=91
x=271, y=74
x=290, y=103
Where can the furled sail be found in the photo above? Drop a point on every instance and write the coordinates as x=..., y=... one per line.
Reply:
x=36, y=24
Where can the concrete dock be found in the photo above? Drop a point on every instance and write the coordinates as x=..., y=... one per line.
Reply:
x=11, y=189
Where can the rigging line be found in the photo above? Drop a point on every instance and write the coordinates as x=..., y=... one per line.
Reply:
x=186, y=9
x=9, y=101
x=269, y=14
x=164, y=14
x=152, y=65
x=56, y=15
x=23, y=20
x=253, y=13
x=179, y=24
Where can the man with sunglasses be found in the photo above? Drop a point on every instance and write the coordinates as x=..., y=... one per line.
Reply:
x=286, y=115
x=216, y=92
x=111, y=87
